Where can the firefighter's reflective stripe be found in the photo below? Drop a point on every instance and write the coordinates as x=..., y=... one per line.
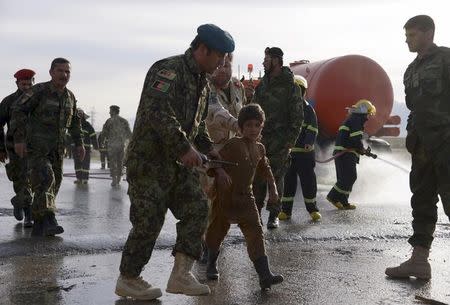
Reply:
x=310, y=200
x=344, y=128
x=343, y=148
x=300, y=149
x=341, y=190
x=310, y=127
x=356, y=133
x=287, y=199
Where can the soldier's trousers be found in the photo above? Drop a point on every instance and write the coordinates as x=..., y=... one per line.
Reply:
x=302, y=165
x=427, y=180
x=151, y=195
x=115, y=160
x=17, y=172
x=82, y=167
x=250, y=225
x=346, y=176
x=104, y=158
x=45, y=178
x=279, y=165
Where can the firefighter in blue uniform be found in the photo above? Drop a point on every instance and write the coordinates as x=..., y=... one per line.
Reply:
x=349, y=146
x=302, y=163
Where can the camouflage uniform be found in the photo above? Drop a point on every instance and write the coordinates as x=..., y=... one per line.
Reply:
x=103, y=149
x=427, y=88
x=169, y=118
x=116, y=131
x=90, y=140
x=281, y=99
x=16, y=169
x=44, y=115
x=223, y=108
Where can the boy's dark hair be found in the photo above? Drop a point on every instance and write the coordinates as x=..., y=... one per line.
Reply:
x=251, y=112
x=423, y=23
x=57, y=61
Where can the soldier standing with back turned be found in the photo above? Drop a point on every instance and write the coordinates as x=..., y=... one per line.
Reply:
x=116, y=131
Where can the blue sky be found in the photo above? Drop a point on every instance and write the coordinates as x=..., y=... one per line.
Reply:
x=111, y=44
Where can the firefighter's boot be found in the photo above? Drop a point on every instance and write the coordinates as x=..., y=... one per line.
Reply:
x=315, y=216
x=417, y=266
x=286, y=210
x=266, y=277
x=211, y=268
x=136, y=288
x=182, y=280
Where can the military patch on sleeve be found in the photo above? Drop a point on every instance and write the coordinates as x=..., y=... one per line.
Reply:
x=170, y=75
x=161, y=86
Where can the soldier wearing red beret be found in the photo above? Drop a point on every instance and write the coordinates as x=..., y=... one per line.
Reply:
x=16, y=168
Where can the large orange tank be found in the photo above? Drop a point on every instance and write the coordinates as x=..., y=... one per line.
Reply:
x=339, y=82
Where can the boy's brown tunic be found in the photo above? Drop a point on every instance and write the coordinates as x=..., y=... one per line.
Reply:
x=237, y=203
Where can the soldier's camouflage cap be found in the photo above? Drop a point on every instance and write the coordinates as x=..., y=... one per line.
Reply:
x=216, y=38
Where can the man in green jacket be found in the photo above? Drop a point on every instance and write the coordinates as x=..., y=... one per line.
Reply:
x=16, y=169
x=282, y=101
x=39, y=123
x=427, y=88
x=168, y=134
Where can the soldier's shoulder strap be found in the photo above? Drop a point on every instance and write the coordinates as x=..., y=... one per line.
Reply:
x=33, y=91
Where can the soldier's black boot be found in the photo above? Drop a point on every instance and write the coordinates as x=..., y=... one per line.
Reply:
x=272, y=221
x=27, y=223
x=51, y=227
x=18, y=211
x=38, y=228
x=266, y=278
x=211, y=268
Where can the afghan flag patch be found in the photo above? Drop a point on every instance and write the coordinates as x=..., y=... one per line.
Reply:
x=161, y=86
x=170, y=75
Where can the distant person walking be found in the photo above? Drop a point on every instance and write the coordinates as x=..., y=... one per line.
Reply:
x=116, y=131
x=427, y=89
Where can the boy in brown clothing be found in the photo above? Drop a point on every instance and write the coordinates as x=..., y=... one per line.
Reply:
x=234, y=201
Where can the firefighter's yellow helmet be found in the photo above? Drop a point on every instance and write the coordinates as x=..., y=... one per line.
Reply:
x=363, y=107
x=302, y=82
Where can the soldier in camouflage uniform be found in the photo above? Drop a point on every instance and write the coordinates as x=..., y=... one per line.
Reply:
x=39, y=122
x=116, y=131
x=16, y=169
x=282, y=101
x=427, y=88
x=103, y=149
x=90, y=141
x=169, y=122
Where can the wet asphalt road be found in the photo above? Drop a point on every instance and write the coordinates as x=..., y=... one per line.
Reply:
x=340, y=260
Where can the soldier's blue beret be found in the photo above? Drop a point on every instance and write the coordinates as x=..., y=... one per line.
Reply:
x=216, y=38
